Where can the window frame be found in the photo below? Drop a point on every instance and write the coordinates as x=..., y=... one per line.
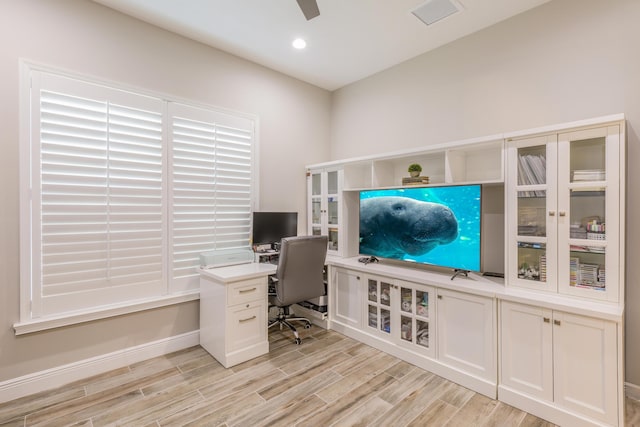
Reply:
x=171, y=294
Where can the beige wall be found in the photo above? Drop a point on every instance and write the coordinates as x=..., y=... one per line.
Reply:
x=566, y=60
x=87, y=38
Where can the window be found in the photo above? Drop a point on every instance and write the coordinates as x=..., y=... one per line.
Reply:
x=121, y=191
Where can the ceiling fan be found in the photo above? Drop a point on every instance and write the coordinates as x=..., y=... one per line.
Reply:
x=309, y=8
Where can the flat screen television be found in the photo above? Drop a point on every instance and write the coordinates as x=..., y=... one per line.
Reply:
x=438, y=226
x=271, y=227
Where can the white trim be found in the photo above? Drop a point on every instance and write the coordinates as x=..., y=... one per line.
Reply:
x=632, y=391
x=52, y=322
x=61, y=375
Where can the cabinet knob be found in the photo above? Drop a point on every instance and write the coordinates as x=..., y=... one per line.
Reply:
x=439, y=296
x=562, y=213
x=556, y=322
x=546, y=320
x=552, y=213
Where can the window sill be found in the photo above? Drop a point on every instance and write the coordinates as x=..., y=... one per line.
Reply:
x=37, y=325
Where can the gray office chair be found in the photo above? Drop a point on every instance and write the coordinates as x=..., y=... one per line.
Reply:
x=299, y=277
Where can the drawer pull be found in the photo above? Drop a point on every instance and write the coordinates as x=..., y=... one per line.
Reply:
x=248, y=319
x=245, y=291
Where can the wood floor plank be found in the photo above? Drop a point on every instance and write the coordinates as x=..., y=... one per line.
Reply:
x=75, y=405
x=193, y=379
x=19, y=408
x=85, y=413
x=533, y=421
x=437, y=413
x=299, y=409
x=316, y=367
x=365, y=372
x=474, y=412
x=251, y=382
x=364, y=414
x=206, y=414
x=412, y=404
x=504, y=416
x=283, y=401
x=407, y=384
x=149, y=410
x=632, y=412
x=456, y=395
x=345, y=406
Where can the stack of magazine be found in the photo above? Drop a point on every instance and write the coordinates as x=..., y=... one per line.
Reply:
x=589, y=175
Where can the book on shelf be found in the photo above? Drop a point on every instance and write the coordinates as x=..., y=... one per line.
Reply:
x=589, y=175
x=417, y=180
x=532, y=169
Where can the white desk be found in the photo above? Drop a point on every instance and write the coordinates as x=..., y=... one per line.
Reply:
x=233, y=312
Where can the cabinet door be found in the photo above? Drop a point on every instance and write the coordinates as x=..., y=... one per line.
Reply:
x=466, y=337
x=588, y=213
x=346, y=304
x=415, y=314
x=526, y=349
x=324, y=189
x=380, y=293
x=585, y=366
x=531, y=195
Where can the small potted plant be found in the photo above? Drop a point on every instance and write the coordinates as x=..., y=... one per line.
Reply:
x=414, y=169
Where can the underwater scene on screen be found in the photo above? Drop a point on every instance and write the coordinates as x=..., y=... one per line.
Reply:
x=433, y=225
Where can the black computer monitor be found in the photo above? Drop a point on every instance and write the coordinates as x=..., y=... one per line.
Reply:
x=271, y=227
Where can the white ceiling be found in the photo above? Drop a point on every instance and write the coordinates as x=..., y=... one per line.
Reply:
x=350, y=40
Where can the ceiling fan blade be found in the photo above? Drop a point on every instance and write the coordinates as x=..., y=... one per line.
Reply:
x=309, y=8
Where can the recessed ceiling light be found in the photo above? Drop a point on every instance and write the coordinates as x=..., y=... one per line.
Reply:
x=299, y=44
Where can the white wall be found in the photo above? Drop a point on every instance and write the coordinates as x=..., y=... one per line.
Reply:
x=566, y=60
x=85, y=37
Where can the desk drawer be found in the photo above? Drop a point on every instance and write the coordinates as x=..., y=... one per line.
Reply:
x=247, y=326
x=247, y=290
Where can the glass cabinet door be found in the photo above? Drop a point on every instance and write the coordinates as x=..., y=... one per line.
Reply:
x=415, y=317
x=588, y=187
x=379, y=305
x=324, y=189
x=532, y=230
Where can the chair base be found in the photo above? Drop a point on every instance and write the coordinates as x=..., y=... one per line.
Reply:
x=283, y=319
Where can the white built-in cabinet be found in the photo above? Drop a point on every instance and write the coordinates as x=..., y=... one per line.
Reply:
x=563, y=193
x=549, y=338
x=324, y=189
x=559, y=358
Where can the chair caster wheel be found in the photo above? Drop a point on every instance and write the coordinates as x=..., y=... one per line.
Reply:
x=298, y=341
x=307, y=326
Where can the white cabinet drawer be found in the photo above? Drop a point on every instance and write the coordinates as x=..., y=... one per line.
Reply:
x=246, y=290
x=247, y=325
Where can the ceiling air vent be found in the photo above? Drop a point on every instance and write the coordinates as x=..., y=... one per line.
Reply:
x=433, y=11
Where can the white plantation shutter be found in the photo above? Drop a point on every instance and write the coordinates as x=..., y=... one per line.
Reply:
x=97, y=195
x=120, y=192
x=211, y=186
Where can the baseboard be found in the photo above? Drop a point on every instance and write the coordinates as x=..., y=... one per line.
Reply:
x=632, y=391
x=61, y=375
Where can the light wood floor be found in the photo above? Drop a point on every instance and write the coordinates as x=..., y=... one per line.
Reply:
x=328, y=380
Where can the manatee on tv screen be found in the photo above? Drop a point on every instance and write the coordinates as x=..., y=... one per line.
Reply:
x=439, y=226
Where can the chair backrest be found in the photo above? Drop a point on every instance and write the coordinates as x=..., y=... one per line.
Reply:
x=300, y=268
